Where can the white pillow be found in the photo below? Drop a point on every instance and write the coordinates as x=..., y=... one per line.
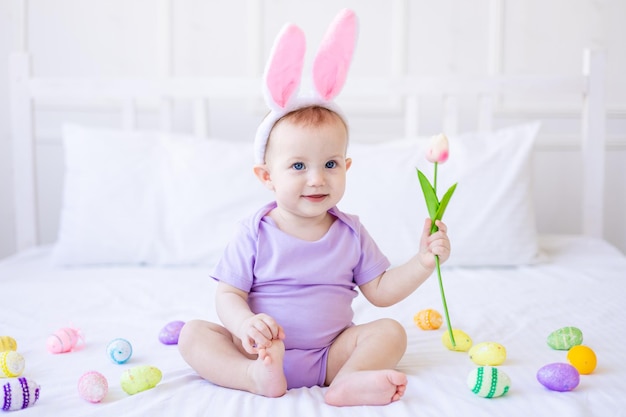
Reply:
x=151, y=198
x=490, y=216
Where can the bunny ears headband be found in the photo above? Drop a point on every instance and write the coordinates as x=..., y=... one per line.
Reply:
x=283, y=73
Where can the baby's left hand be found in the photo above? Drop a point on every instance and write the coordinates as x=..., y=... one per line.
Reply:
x=435, y=244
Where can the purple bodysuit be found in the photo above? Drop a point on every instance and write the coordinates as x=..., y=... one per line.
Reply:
x=307, y=287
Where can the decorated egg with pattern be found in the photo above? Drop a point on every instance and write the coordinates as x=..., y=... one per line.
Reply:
x=11, y=364
x=462, y=341
x=487, y=353
x=428, y=319
x=18, y=393
x=558, y=377
x=488, y=382
x=140, y=378
x=93, y=386
x=119, y=350
x=565, y=337
x=7, y=343
x=63, y=340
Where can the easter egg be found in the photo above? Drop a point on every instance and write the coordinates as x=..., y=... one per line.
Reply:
x=119, y=350
x=488, y=353
x=558, y=377
x=169, y=334
x=140, y=378
x=488, y=382
x=63, y=340
x=7, y=343
x=93, y=386
x=19, y=393
x=583, y=358
x=428, y=319
x=462, y=341
x=11, y=364
x=565, y=337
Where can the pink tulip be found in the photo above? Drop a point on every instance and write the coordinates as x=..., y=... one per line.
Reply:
x=439, y=149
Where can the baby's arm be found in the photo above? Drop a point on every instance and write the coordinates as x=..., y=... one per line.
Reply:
x=397, y=283
x=256, y=331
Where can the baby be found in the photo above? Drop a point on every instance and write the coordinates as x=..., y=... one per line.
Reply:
x=287, y=280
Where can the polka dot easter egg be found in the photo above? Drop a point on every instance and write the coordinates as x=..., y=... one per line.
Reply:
x=488, y=382
x=140, y=378
x=7, y=343
x=488, y=353
x=119, y=350
x=18, y=393
x=558, y=377
x=169, y=334
x=462, y=341
x=428, y=319
x=565, y=337
x=11, y=364
x=93, y=387
x=583, y=358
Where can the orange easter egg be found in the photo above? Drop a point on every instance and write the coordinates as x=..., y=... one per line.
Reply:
x=428, y=319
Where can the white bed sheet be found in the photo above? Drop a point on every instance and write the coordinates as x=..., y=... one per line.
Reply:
x=582, y=283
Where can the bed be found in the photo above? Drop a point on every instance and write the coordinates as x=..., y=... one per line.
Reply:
x=146, y=213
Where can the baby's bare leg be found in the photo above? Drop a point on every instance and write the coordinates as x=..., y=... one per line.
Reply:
x=213, y=353
x=361, y=365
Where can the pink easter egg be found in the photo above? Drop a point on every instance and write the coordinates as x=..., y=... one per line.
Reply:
x=63, y=340
x=93, y=387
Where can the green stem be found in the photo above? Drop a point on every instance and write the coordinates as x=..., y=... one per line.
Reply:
x=445, y=305
x=443, y=296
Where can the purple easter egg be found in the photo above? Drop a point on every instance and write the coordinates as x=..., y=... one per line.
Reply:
x=169, y=334
x=558, y=377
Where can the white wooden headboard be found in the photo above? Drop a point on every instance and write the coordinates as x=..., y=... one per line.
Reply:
x=406, y=92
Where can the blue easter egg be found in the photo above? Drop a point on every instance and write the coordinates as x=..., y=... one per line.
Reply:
x=119, y=350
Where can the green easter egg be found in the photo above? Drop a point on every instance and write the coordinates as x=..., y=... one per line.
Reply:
x=140, y=378
x=565, y=337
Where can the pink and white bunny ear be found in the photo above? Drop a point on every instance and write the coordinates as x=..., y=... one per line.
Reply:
x=283, y=71
x=333, y=59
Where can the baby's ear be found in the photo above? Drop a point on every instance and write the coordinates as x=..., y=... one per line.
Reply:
x=333, y=59
x=263, y=174
x=283, y=71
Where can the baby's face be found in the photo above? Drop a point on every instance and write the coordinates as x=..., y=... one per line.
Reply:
x=307, y=166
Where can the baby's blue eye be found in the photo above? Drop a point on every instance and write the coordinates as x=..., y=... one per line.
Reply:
x=298, y=166
x=331, y=164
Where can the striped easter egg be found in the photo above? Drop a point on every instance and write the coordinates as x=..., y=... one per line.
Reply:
x=11, y=364
x=565, y=337
x=19, y=393
x=7, y=343
x=488, y=382
x=428, y=319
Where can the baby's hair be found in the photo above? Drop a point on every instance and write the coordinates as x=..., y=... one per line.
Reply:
x=309, y=116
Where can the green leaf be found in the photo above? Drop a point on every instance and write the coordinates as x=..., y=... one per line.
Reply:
x=442, y=207
x=432, y=203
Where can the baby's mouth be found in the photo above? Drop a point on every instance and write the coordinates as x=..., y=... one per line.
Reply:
x=315, y=197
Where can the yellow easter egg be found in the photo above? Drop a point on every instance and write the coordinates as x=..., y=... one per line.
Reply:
x=11, y=364
x=140, y=378
x=583, y=358
x=428, y=319
x=462, y=341
x=7, y=343
x=488, y=353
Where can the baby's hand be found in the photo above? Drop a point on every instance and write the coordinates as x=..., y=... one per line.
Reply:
x=435, y=244
x=258, y=331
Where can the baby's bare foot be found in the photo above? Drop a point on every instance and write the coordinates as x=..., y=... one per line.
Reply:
x=267, y=371
x=367, y=388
